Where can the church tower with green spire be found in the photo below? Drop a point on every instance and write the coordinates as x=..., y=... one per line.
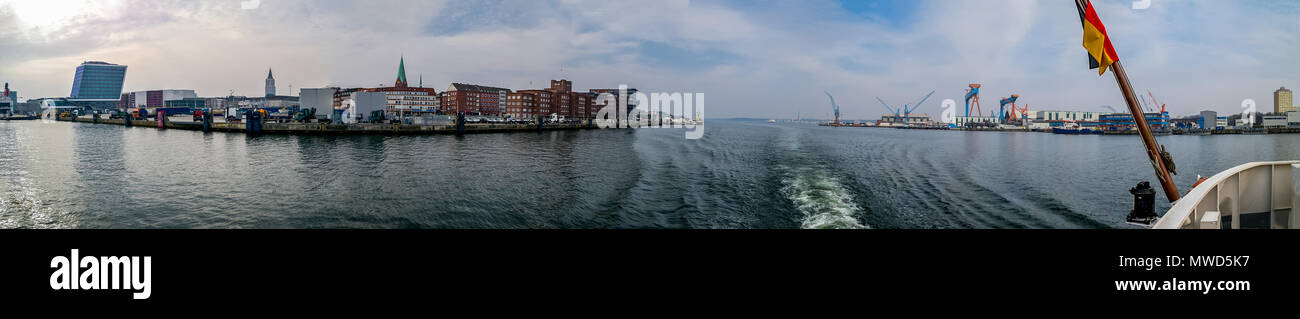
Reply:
x=401, y=74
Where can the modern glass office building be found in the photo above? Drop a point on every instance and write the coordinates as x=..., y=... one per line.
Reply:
x=98, y=80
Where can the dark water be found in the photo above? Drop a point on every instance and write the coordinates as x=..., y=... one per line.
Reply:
x=741, y=175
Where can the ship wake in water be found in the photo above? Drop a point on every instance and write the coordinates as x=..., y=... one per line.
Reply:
x=822, y=200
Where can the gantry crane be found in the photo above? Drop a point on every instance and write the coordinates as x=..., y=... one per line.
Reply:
x=973, y=93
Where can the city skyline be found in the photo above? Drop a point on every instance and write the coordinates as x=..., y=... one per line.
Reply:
x=1190, y=54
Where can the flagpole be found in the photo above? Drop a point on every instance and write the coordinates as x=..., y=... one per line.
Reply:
x=1139, y=119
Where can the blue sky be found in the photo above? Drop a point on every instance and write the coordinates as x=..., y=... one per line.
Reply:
x=751, y=58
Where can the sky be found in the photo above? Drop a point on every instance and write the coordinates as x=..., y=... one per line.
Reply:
x=757, y=59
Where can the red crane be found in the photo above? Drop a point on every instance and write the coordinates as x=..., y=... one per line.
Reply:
x=1153, y=100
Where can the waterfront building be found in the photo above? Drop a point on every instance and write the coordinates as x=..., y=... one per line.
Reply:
x=1282, y=101
x=1075, y=116
x=189, y=103
x=321, y=99
x=632, y=102
x=1208, y=120
x=270, y=84
x=342, y=95
x=1221, y=123
x=98, y=80
x=1124, y=121
x=1274, y=121
x=1293, y=119
x=361, y=106
x=97, y=85
x=914, y=119
x=559, y=102
x=216, y=103
x=59, y=105
x=278, y=101
x=526, y=104
x=475, y=99
x=961, y=121
x=401, y=99
x=153, y=99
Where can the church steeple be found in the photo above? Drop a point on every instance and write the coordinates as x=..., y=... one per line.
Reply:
x=270, y=83
x=401, y=73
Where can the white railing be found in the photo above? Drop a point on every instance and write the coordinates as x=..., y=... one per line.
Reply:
x=1257, y=187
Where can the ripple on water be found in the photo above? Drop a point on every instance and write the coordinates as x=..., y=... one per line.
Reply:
x=20, y=207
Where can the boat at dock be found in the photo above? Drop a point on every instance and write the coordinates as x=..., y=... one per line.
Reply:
x=1075, y=129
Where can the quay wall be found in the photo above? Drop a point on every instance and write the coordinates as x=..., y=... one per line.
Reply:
x=344, y=129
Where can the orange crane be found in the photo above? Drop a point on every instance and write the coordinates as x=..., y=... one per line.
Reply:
x=1153, y=101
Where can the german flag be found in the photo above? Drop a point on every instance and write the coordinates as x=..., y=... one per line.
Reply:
x=1100, y=53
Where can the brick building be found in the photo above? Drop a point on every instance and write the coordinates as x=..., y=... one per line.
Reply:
x=474, y=99
x=559, y=100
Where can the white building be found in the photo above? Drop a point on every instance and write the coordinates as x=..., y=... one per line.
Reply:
x=1275, y=121
x=321, y=99
x=1075, y=116
x=961, y=121
x=914, y=119
x=1293, y=119
x=357, y=108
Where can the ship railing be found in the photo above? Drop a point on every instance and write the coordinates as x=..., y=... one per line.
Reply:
x=1240, y=194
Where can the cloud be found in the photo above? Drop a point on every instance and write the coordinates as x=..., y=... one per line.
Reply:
x=752, y=59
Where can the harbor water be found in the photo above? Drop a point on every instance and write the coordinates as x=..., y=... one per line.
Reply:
x=742, y=174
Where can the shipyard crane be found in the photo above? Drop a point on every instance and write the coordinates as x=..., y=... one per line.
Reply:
x=1021, y=112
x=891, y=109
x=835, y=106
x=1003, y=116
x=973, y=93
x=907, y=112
x=1154, y=102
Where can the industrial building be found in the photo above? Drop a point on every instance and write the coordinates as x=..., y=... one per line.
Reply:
x=320, y=99
x=1076, y=116
x=1208, y=120
x=963, y=121
x=1274, y=121
x=914, y=119
x=1124, y=121
x=361, y=107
